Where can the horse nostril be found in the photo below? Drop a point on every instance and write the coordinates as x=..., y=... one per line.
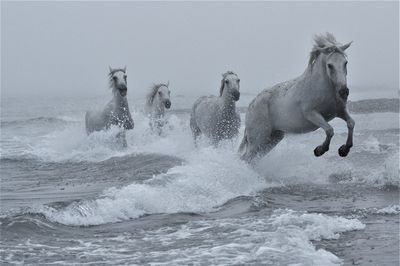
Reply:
x=123, y=91
x=168, y=104
x=236, y=95
x=344, y=92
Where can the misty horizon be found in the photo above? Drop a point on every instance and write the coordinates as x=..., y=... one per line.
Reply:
x=65, y=48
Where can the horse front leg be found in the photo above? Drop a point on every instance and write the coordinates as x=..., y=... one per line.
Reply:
x=121, y=139
x=318, y=120
x=345, y=148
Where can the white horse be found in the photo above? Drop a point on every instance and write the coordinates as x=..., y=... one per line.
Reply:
x=157, y=100
x=216, y=117
x=116, y=111
x=303, y=104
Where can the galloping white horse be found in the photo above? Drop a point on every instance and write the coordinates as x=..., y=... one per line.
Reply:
x=116, y=111
x=303, y=104
x=157, y=101
x=216, y=117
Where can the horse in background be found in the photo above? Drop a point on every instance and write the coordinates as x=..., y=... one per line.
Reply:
x=157, y=101
x=303, y=104
x=216, y=117
x=116, y=112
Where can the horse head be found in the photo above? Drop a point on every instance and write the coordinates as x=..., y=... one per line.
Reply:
x=335, y=62
x=336, y=69
x=163, y=95
x=230, y=85
x=118, y=81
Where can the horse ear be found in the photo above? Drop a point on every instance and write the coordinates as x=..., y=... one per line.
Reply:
x=124, y=68
x=110, y=69
x=221, y=89
x=344, y=47
x=168, y=83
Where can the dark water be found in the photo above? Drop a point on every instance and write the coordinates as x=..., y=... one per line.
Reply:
x=71, y=199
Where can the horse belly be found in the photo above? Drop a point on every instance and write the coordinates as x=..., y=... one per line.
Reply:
x=291, y=120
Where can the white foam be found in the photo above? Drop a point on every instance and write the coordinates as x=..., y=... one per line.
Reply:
x=315, y=226
x=71, y=143
x=372, y=145
x=293, y=162
x=209, y=178
x=392, y=209
x=387, y=174
x=284, y=238
x=391, y=172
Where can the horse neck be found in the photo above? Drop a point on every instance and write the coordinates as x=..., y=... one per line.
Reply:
x=158, y=107
x=317, y=74
x=228, y=104
x=120, y=103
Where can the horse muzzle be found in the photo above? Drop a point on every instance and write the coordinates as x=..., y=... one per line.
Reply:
x=236, y=95
x=123, y=91
x=344, y=93
x=167, y=104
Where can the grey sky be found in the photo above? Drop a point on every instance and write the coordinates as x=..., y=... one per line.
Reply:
x=65, y=48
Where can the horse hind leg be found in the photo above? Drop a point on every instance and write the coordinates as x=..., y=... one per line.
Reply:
x=275, y=138
x=265, y=144
x=195, y=129
x=249, y=152
x=243, y=144
x=121, y=139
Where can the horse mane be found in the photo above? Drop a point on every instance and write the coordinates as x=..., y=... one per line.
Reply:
x=221, y=89
x=325, y=42
x=153, y=92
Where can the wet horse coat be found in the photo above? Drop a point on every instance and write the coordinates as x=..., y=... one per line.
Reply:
x=116, y=112
x=157, y=101
x=216, y=117
x=303, y=104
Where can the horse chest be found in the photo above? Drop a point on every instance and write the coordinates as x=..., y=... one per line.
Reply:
x=119, y=117
x=227, y=125
x=329, y=110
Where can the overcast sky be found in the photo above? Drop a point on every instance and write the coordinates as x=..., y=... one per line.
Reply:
x=65, y=48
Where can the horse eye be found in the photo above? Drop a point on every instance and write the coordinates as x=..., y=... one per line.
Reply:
x=125, y=76
x=330, y=66
x=159, y=92
x=226, y=81
x=238, y=80
x=115, y=78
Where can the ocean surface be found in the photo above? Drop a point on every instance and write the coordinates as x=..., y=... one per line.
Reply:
x=72, y=199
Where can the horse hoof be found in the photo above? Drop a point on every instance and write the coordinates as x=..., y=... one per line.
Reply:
x=343, y=150
x=318, y=151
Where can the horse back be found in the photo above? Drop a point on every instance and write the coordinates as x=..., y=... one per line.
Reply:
x=204, y=106
x=203, y=100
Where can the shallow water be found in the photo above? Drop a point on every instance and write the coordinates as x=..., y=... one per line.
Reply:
x=68, y=198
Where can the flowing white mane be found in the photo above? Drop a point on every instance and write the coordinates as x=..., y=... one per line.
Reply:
x=324, y=44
